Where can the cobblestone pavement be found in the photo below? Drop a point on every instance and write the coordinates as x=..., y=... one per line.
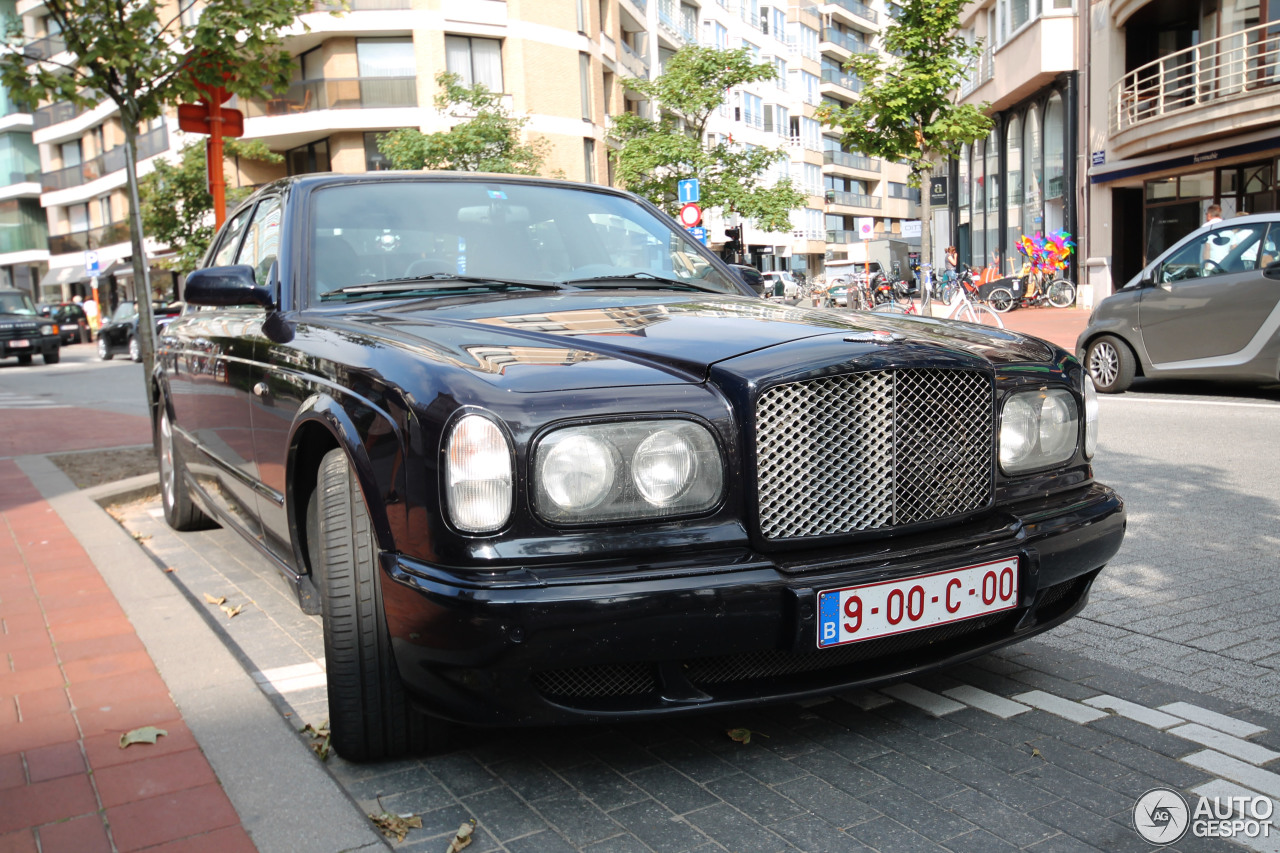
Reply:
x=1034, y=748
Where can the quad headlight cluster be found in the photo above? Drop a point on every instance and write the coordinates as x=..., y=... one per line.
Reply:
x=1038, y=429
x=48, y=330
x=634, y=470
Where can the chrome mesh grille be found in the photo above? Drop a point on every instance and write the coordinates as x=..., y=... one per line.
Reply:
x=868, y=451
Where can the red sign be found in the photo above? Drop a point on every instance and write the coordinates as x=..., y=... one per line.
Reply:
x=690, y=215
x=194, y=118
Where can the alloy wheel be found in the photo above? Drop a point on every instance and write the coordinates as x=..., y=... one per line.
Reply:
x=1104, y=363
x=167, y=471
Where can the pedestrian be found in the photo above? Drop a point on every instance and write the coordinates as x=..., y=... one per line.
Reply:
x=91, y=314
x=1213, y=214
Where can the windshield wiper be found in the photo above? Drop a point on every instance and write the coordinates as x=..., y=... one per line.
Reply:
x=437, y=281
x=642, y=276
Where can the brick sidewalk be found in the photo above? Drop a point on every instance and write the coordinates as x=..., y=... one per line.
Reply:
x=73, y=678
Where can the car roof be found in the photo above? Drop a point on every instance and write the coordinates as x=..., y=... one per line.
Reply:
x=315, y=180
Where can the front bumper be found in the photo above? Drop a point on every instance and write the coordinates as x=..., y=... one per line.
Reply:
x=37, y=344
x=720, y=629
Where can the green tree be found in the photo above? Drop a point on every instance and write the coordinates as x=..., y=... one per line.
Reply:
x=907, y=109
x=143, y=55
x=177, y=208
x=653, y=155
x=488, y=140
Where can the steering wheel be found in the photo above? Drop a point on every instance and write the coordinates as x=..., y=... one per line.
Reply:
x=1209, y=262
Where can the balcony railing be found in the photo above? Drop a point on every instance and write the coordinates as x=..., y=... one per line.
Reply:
x=850, y=161
x=860, y=9
x=854, y=199
x=44, y=48
x=94, y=238
x=980, y=70
x=810, y=145
x=839, y=78
x=338, y=93
x=1228, y=67
x=634, y=62
x=150, y=144
x=846, y=41
x=850, y=236
x=55, y=113
x=362, y=5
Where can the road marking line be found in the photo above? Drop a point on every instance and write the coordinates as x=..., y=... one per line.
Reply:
x=867, y=700
x=927, y=701
x=1134, y=711
x=1182, y=402
x=1214, y=739
x=1065, y=708
x=1212, y=719
x=1236, y=770
x=984, y=701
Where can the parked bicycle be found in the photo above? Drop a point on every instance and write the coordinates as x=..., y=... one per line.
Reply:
x=1031, y=289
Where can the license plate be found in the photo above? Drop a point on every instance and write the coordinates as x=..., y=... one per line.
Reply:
x=865, y=612
x=19, y=344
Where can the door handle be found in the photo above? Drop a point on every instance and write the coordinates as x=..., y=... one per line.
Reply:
x=261, y=390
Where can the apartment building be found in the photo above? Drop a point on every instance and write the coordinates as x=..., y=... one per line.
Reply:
x=562, y=63
x=24, y=250
x=1182, y=106
x=1023, y=178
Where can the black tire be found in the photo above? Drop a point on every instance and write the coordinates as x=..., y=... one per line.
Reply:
x=369, y=714
x=135, y=349
x=1062, y=293
x=1111, y=364
x=104, y=348
x=179, y=511
x=1001, y=300
x=25, y=358
x=53, y=356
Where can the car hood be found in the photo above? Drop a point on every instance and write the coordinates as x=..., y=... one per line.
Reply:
x=25, y=320
x=564, y=341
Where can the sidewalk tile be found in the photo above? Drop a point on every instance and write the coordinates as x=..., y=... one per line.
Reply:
x=54, y=762
x=125, y=715
x=111, y=691
x=32, y=657
x=169, y=817
x=108, y=666
x=113, y=645
x=44, y=802
x=84, y=613
x=93, y=628
x=49, y=702
x=82, y=835
x=22, y=841
x=231, y=839
x=30, y=680
x=104, y=750
x=11, y=773
x=151, y=777
x=33, y=734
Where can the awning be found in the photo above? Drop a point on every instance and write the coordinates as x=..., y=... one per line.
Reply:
x=63, y=275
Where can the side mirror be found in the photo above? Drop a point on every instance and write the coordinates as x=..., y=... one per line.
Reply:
x=226, y=286
x=1272, y=270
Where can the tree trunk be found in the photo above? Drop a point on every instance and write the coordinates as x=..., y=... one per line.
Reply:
x=141, y=273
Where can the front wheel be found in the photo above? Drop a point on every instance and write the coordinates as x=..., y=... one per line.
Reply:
x=53, y=356
x=25, y=358
x=980, y=314
x=1001, y=300
x=135, y=350
x=369, y=714
x=1062, y=294
x=179, y=511
x=104, y=349
x=1111, y=364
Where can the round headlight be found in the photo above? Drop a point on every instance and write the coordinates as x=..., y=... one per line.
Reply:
x=662, y=467
x=48, y=330
x=576, y=471
x=478, y=471
x=1090, y=416
x=1057, y=427
x=1017, y=430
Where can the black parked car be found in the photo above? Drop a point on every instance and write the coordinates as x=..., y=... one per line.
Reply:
x=750, y=276
x=120, y=331
x=23, y=332
x=73, y=323
x=539, y=457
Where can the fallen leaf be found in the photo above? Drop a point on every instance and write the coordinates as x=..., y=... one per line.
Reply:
x=319, y=739
x=743, y=735
x=1035, y=753
x=463, y=836
x=212, y=599
x=394, y=825
x=169, y=570
x=232, y=612
x=141, y=537
x=145, y=734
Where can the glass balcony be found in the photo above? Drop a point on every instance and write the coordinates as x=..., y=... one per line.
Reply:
x=94, y=238
x=337, y=93
x=43, y=48
x=55, y=113
x=862, y=10
x=840, y=78
x=24, y=237
x=850, y=161
x=869, y=202
x=150, y=144
x=846, y=41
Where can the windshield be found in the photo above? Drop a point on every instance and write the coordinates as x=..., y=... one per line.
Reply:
x=16, y=303
x=395, y=230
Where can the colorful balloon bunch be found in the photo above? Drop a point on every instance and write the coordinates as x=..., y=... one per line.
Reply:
x=1047, y=254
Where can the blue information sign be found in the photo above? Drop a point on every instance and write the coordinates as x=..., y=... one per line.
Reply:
x=687, y=191
x=699, y=234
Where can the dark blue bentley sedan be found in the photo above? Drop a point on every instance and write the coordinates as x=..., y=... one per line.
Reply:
x=539, y=457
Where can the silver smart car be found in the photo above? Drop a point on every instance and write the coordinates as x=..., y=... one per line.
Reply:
x=1207, y=308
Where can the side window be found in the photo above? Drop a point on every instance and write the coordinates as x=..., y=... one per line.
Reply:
x=1269, y=254
x=262, y=242
x=231, y=238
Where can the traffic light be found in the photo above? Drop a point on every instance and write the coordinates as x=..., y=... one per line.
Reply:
x=733, y=238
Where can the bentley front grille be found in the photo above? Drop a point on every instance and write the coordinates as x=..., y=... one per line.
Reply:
x=872, y=451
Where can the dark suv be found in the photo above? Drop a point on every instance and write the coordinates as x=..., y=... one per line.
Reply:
x=23, y=332
x=73, y=323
